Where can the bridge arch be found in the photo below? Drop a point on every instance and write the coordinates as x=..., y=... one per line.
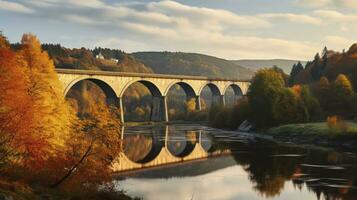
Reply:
x=190, y=92
x=213, y=87
x=158, y=105
x=151, y=86
x=236, y=88
x=108, y=90
x=216, y=97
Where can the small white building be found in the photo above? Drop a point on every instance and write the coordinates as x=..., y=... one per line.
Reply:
x=100, y=56
x=114, y=60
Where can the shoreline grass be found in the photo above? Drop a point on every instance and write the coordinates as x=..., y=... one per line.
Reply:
x=317, y=133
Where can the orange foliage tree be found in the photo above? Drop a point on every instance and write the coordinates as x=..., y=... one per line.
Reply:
x=94, y=145
x=51, y=118
x=16, y=110
x=40, y=132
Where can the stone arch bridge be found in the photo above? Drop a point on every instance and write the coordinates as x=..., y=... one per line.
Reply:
x=114, y=84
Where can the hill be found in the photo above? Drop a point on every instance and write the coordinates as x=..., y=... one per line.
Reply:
x=257, y=64
x=111, y=60
x=192, y=64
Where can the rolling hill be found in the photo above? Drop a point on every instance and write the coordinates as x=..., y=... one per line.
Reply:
x=192, y=64
x=285, y=64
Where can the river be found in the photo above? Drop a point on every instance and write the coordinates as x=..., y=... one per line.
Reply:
x=197, y=162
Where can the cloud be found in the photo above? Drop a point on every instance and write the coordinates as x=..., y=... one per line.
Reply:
x=79, y=19
x=338, y=42
x=328, y=3
x=336, y=16
x=70, y=3
x=297, y=18
x=204, y=15
x=14, y=7
x=173, y=26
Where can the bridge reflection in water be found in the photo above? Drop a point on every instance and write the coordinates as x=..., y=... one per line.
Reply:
x=162, y=145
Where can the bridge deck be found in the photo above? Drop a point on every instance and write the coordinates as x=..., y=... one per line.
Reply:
x=144, y=75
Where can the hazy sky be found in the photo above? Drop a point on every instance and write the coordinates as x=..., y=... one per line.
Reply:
x=231, y=29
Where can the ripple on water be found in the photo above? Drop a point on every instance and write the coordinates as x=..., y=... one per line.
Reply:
x=287, y=155
x=332, y=167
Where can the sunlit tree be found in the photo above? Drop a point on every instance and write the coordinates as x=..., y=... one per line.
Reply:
x=52, y=118
x=16, y=110
x=264, y=91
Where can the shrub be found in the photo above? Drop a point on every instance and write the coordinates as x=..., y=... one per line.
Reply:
x=196, y=115
x=213, y=111
x=239, y=113
x=331, y=121
x=337, y=124
x=221, y=119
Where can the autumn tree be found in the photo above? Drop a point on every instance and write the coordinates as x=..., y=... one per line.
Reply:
x=92, y=149
x=341, y=92
x=343, y=85
x=263, y=93
x=311, y=103
x=52, y=119
x=16, y=110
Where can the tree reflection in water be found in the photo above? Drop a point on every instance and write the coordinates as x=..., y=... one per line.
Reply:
x=329, y=174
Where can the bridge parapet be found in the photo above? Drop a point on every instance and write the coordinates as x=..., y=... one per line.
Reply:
x=114, y=84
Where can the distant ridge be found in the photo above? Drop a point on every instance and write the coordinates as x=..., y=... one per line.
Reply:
x=175, y=63
x=192, y=64
x=255, y=64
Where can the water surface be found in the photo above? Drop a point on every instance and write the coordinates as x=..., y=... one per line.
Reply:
x=253, y=169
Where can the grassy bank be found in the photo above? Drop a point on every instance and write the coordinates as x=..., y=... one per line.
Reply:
x=318, y=133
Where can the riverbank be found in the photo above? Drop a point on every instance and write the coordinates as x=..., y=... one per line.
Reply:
x=12, y=190
x=318, y=133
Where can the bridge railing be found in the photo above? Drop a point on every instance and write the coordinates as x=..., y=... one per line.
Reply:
x=144, y=75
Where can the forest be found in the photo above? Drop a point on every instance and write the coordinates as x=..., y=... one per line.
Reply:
x=322, y=90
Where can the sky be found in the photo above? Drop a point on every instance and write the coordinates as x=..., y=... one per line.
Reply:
x=230, y=29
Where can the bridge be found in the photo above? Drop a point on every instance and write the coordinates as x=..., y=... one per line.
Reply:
x=168, y=147
x=114, y=84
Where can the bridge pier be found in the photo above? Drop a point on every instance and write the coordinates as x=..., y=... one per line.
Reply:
x=159, y=110
x=222, y=101
x=198, y=103
x=121, y=107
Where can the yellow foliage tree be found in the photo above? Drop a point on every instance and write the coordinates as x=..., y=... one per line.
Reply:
x=343, y=85
x=95, y=143
x=52, y=118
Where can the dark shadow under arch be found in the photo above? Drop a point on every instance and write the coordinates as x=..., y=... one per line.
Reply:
x=211, y=96
x=237, y=90
x=154, y=90
x=111, y=97
x=156, y=110
x=186, y=88
x=214, y=89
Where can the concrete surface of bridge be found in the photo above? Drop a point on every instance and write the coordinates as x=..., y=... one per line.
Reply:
x=114, y=84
